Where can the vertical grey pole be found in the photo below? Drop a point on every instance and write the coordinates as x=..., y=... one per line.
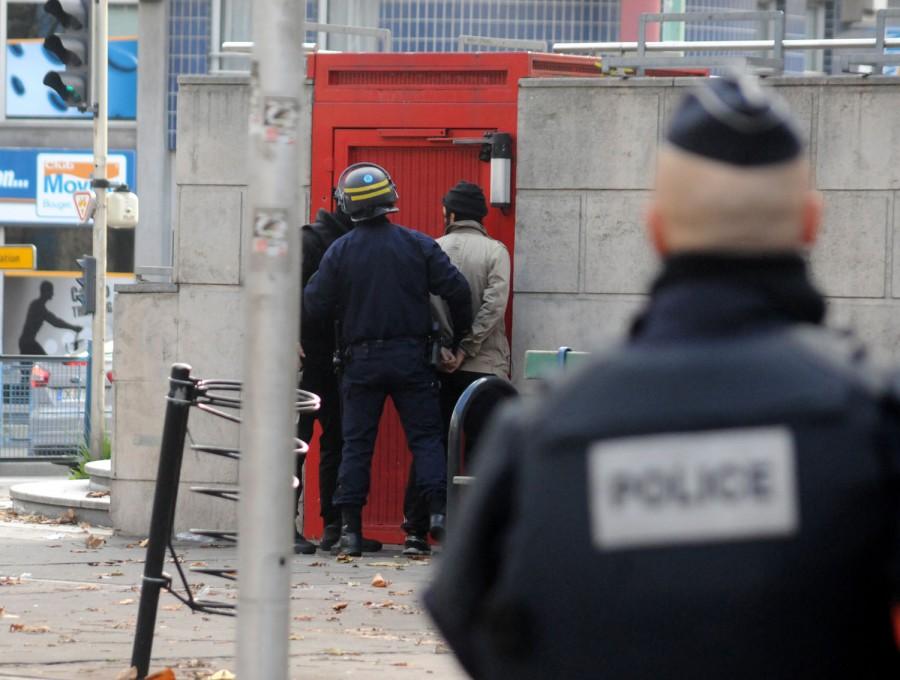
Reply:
x=271, y=299
x=98, y=331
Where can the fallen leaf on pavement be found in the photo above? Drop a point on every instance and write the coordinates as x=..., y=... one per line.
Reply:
x=387, y=604
x=344, y=559
x=303, y=617
x=88, y=586
x=127, y=600
x=10, y=581
x=167, y=674
x=339, y=606
x=65, y=639
x=2, y=612
x=23, y=628
x=378, y=581
x=93, y=541
x=399, y=592
x=222, y=675
x=144, y=543
x=294, y=636
x=130, y=674
x=97, y=494
x=334, y=651
x=68, y=517
x=199, y=564
x=171, y=607
x=391, y=565
x=400, y=663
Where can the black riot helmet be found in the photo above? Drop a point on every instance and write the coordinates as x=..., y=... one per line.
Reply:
x=365, y=191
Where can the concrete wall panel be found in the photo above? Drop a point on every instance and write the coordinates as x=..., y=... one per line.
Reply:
x=132, y=503
x=211, y=335
x=586, y=137
x=858, y=137
x=851, y=257
x=212, y=130
x=618, y=256
x=547, y=257
x=585, y=322
x=210, y=220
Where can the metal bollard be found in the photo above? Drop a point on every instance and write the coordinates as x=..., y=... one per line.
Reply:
x=504, y=390
x=180, y=397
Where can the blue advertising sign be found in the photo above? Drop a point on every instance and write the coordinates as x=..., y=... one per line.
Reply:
x=39, y=186
x=27, y=97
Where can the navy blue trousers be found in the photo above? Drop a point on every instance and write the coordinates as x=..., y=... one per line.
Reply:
x=397, y=369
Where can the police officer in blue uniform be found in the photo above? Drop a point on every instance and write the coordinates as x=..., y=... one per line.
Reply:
x=376, y=281
x=723, y=488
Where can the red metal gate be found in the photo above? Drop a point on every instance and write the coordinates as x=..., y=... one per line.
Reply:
x=422, y=117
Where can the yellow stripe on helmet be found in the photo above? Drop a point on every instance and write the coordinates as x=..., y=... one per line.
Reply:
x=359, y=190
x=373, y=194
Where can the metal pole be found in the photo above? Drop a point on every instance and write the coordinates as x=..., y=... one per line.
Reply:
x=726, y=45
x=171, y=452
x=272, y=306
x=98, y=391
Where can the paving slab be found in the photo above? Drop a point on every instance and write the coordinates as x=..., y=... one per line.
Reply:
x=80, y=604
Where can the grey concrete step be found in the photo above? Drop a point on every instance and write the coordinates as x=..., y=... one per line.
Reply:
x=101, y=474
x=53, y=498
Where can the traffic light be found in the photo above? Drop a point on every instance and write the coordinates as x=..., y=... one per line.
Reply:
x=86, y=294
x=69, y=42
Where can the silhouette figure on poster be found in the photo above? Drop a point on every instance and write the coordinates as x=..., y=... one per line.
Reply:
x=37, y=315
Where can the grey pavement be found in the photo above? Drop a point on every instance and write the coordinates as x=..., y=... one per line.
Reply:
x=68, y=611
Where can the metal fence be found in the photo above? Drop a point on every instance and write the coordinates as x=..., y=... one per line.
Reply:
x=43, y=410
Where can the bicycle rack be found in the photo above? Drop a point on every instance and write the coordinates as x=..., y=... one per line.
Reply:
x=216, y=397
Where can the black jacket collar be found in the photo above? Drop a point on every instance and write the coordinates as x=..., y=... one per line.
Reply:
x=709, y=295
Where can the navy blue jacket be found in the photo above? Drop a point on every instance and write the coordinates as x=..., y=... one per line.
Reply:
x=670, y=568
x=377, y=279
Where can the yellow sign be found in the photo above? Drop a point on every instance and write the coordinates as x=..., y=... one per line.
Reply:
x=18, y=257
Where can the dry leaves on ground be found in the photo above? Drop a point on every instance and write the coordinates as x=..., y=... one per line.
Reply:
x=97, y=494
x=92, y=541
x=223, y=674
x=303, y=617
x=130, y=674
x=345, y=559
x=88, y=586
x=389, y=565
x=68, y=517
x=339, y=606
x=10, y=581
x=378, y=581
x=127, y=600
x=24, y=628
x=294, y=636
x=171, y=607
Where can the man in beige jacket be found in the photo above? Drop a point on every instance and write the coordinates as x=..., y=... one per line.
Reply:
x=484, y=262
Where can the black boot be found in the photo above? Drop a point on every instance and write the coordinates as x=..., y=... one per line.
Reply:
x=330, y=536
x=302, y=546
x=437, y=521
x=350, y=542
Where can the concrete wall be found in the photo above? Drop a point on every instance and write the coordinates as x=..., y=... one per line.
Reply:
x=586, y=156
x=198, y=319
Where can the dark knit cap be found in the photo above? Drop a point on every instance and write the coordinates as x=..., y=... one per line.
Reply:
x=734, y=120
x=466, y=199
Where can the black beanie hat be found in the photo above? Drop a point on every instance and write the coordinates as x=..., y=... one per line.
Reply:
x=734, y=120
x=466, y=199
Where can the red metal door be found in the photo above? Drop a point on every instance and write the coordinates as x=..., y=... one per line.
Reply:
x=424, y=164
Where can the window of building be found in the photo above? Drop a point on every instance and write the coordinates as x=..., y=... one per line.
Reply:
x=59, y=247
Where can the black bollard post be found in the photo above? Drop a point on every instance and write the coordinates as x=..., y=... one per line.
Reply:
x=181, y=393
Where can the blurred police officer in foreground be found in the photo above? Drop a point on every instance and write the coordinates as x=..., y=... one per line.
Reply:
x=317, y=350
x=722, y=491
x=376, y=281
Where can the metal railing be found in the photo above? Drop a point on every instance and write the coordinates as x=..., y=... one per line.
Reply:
x=778, y=44
x=464, y=41
x=43, y=410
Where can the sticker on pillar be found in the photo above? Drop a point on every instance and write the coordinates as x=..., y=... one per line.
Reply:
x=270, y=232
x=280, y=116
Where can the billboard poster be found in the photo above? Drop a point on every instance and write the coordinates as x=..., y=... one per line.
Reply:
x=38, y=186
x=20, y=291
x=27, y=97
